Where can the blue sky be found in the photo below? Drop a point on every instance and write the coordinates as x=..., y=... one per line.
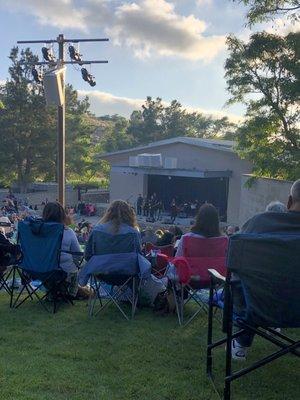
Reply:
x=171, y=49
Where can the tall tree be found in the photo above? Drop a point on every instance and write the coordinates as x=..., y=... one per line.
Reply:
x=264, y=10
x=264, y=74
x=26, y=129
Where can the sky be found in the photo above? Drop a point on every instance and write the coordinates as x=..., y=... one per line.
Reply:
x=173, y=49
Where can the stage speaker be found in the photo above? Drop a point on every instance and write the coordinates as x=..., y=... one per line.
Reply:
x=53, y=86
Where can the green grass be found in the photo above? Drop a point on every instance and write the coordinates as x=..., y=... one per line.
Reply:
x=70, y=356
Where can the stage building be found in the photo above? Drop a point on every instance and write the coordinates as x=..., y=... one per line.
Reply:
x=183, y=168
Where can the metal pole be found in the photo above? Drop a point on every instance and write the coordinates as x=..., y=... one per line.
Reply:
x=61, y=130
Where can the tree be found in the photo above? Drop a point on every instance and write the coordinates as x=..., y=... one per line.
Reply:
x=264, y=75
x=117, y=136
x=26, y=129
x=264, y=10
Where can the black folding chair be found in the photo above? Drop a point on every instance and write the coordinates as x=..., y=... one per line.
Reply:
x=5, y=277
x=261, y=291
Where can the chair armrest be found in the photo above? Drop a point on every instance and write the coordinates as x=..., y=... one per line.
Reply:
x=73, y=253
x=216, y=276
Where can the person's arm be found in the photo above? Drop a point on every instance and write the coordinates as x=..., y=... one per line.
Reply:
x=179, y=251
x=75, y=246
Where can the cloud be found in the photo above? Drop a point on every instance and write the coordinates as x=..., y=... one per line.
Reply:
x=201, y=3
x=57, y=13
x=153, y=27
x=103, y=103
x=147, y=27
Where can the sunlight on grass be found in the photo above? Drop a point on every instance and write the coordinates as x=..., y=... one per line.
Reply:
x=70, y=356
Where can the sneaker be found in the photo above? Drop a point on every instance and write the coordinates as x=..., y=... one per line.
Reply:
x=238, y=352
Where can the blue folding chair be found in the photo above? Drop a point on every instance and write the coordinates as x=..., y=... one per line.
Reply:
x=41, y=247
x=262, y=289
x=113, y=271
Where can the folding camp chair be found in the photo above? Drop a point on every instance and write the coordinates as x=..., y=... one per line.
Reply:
x=115, y=277
x=5, y=276
x=199, y=255
x=41, y=247
x=262, y=289
x=162, y=255
x=8, y=257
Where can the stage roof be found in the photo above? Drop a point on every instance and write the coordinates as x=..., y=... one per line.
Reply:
x=222, y=145
x=187, y=173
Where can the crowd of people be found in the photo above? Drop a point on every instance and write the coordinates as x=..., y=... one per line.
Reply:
x=120, y=219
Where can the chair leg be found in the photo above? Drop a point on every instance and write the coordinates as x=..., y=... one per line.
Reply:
x=13, y=288
x=209, y=332
x=133, y=298
x=175, y=295
x=228, y=369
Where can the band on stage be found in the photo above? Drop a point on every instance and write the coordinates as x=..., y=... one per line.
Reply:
x=152, y=207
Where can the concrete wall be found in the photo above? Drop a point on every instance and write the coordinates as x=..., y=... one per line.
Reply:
x=189, y=157
x=36, y=198
x=127, y=187
x=263, y=190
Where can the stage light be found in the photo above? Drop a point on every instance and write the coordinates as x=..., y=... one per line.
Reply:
x=47, y=54
x=74, y=55
x=37, y=75
x=86, y=76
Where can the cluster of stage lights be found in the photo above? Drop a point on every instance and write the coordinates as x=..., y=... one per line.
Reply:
x=74, y=55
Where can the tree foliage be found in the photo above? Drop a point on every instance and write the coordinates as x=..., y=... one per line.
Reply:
x=28, y=129
x=265, y=10
x=157, y=121
x=264, y=74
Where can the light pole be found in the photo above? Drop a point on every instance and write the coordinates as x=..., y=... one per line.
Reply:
x=61, y=123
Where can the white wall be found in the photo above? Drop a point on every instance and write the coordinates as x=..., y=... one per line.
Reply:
x=263, y=190
x=127, y=186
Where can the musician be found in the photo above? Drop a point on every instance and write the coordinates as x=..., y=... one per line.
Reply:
x=174, y=211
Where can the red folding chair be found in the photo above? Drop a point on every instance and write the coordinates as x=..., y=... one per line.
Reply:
x=163, y=254
x=199, y=255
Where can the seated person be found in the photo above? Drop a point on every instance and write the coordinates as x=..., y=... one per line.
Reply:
x=149, y=236
x=9, y=253
x=54, y=212
x=267, y=222
x=207, y=225
x=119, y=219
x=166, y=239
x=276, y=206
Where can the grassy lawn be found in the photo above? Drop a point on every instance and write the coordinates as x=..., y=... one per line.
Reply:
x=69, y=356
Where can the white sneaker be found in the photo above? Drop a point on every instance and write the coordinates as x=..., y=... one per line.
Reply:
x=238, y=352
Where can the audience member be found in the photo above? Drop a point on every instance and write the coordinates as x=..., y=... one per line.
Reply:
x=54, y=212
x=267, y=222
x=206, y=225
x=276, y=206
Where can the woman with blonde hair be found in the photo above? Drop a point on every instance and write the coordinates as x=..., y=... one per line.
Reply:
x=114, y=248
x=113, y=243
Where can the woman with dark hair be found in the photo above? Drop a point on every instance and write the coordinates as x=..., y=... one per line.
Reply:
x=207, y=225
x=54, y=212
